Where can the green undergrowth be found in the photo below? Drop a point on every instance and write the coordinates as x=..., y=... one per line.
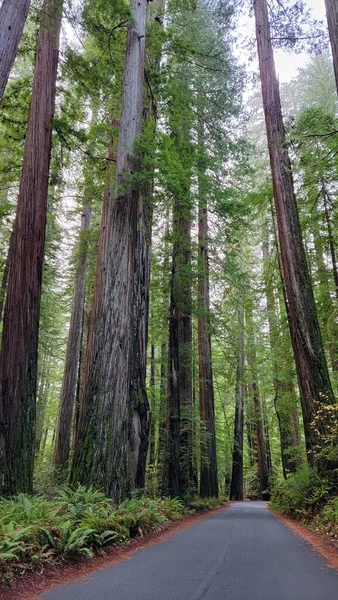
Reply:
x=78, y=522
x=310, y=498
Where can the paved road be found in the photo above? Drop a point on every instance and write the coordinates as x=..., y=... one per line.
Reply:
x=241, y=553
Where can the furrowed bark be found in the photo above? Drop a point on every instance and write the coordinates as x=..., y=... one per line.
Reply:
x=208, y=471
x=19, y=354
x=4, y=281
x=140, y=411
x=262, y=459
x=181, y=474
x=102, y=457
x=71, y=372
x=180, y=356
x=152, y=435
x=285, y=395
x=312, y=372
x=13, y=15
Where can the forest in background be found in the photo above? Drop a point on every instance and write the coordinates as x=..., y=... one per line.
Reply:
x=169, y=269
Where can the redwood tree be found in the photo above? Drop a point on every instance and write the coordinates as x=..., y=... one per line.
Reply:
x=208, y=473
x=140, y=418
x=13, y=14
x=102, y=457
x=313, y=377
x=71, y=372
x=285, y=400
x=237, y=482
x=181, y=477
x=19, y=353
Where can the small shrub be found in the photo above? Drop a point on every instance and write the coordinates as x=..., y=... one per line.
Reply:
x=301, y=495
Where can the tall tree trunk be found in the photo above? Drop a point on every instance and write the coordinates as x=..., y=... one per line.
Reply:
x=71, y=372
x=285, y=400
x=262, y=459
x=140, y=422
x=180, y=452
x=13, y=14
x=163, y=438
x=208, y=473
x=102, y=457
x=180, y=354
x=332, y=21
x=18, y=361
x=267, y=437
x=237, y=483
x=42, y=399
x=332, y=244
x=152, y=434
x=313, y=376
x=87, y=316
x=251, y=430
x=328, y=317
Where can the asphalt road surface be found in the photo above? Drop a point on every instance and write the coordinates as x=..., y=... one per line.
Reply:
x=241, y=553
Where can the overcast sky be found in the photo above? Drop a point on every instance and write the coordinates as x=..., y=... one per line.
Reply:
x=286, y=63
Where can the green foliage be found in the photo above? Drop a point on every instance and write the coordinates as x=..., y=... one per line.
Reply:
x=301, y=495
x=77, y=522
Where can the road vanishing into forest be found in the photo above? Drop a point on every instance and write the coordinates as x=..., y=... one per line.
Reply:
x=240, y=553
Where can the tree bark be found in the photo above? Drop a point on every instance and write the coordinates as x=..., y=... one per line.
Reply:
x=208, y=471
x=262, y=459
x=5, y=277
x=180, y=355
x=332, y=21
x=140, y=411
x=328, y=317
x=71, y=372
x=152, y=434
x=326, y=201
x=181, y=474
x=285, y=400
x=19, y=354
x=102, y=457
x=13, y=15
x=237, y=482
x=313, y=376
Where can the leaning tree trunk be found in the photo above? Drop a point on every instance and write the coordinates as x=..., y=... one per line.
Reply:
x=102, y=457
x=313, y=376
x=71, y=372
x=237, y=482
x=208, y=472
x=332, y=21
x=13, y=14
x=19, y=355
